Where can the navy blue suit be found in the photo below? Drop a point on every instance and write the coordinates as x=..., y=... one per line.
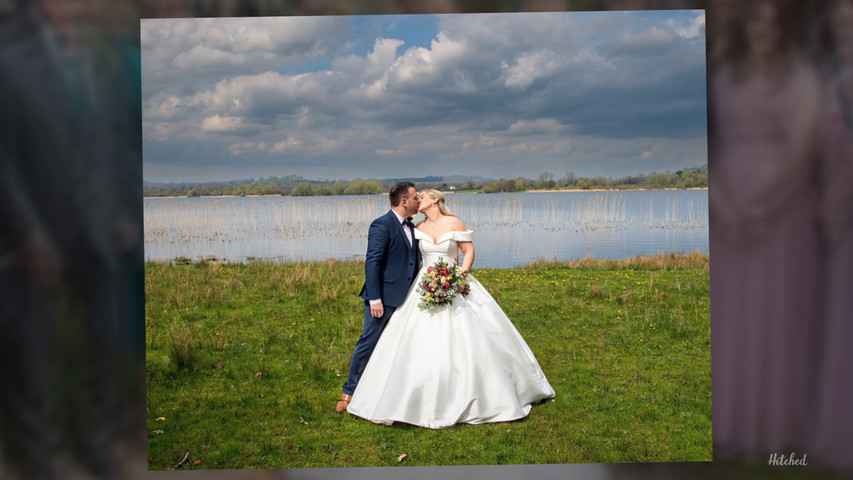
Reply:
x=390, y=267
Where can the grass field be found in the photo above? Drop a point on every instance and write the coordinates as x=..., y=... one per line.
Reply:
x=245, y=363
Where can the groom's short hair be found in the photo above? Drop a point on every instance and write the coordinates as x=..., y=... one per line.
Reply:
x=399, y=192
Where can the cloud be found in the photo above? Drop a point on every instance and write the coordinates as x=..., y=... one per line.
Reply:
x=247, y=147
x=182, y=54
x=692, y=29
x=372, y=66
x=539, y=126
x=166, y=108
x=652, y=42
x=385, y=151
x=440, y=66
x=528, y=68
x=217, y=123
x=649, y=153
x=548, y=88
x=291, y=144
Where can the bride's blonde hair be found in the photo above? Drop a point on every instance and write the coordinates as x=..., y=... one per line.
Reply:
x=439, y=197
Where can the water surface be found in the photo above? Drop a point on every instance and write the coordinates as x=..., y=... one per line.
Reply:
x=509, y=229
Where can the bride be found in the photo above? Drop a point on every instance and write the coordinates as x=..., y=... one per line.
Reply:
x=460, y=363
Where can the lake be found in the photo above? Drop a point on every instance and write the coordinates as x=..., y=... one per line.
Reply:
x=509, y=229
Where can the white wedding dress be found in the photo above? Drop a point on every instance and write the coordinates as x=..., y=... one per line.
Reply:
x=462, y=363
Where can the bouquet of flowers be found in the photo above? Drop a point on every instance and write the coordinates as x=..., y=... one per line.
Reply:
x=440, y=285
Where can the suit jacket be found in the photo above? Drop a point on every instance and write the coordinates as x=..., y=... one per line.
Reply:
x=390, y=264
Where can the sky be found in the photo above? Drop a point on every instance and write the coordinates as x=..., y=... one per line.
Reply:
x=493, y=95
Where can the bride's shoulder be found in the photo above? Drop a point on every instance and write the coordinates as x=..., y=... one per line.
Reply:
x=455, y=224
x=458, y=231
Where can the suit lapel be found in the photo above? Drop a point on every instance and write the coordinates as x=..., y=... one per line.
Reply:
x=392, y=217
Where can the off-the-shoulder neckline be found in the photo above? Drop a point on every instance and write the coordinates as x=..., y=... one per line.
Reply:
x=441, y=239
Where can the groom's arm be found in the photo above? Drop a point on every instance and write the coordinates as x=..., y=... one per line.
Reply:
x=377, y=251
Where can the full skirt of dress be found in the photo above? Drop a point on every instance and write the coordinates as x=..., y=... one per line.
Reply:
x=461, y=363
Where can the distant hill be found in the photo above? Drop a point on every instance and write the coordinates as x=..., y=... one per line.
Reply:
x=298, y=178
x=431, y=179
x=466, y=178
x=437, y=179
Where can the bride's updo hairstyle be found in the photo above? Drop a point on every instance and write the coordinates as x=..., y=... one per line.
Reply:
x=439, y=197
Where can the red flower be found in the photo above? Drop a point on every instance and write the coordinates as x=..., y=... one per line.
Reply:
x=442, y=271
x=445, y=285
x=429, y=270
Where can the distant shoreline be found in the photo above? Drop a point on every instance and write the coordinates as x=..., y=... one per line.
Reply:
x=556, y=190
x=225, y=196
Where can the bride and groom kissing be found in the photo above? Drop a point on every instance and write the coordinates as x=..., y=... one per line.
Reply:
x=459, y=363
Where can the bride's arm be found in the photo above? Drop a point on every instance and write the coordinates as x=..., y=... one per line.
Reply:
x=466, y=247
x=468, y=251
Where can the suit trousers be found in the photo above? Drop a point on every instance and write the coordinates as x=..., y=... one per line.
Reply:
x=373, y=328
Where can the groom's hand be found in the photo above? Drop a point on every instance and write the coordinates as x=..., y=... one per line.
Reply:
x=377, y=310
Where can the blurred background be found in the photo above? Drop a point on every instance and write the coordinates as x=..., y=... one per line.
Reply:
x=72, y=363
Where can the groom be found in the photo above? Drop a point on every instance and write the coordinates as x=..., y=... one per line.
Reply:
x=389, y=268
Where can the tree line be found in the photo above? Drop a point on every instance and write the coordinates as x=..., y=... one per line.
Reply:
x=291, y=185
x=295, y=185
x=681, y=179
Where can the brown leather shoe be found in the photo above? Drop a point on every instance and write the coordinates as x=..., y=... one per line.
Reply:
x=343, y=403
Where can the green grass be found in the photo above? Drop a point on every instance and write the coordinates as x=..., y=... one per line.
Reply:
x=245, y=363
